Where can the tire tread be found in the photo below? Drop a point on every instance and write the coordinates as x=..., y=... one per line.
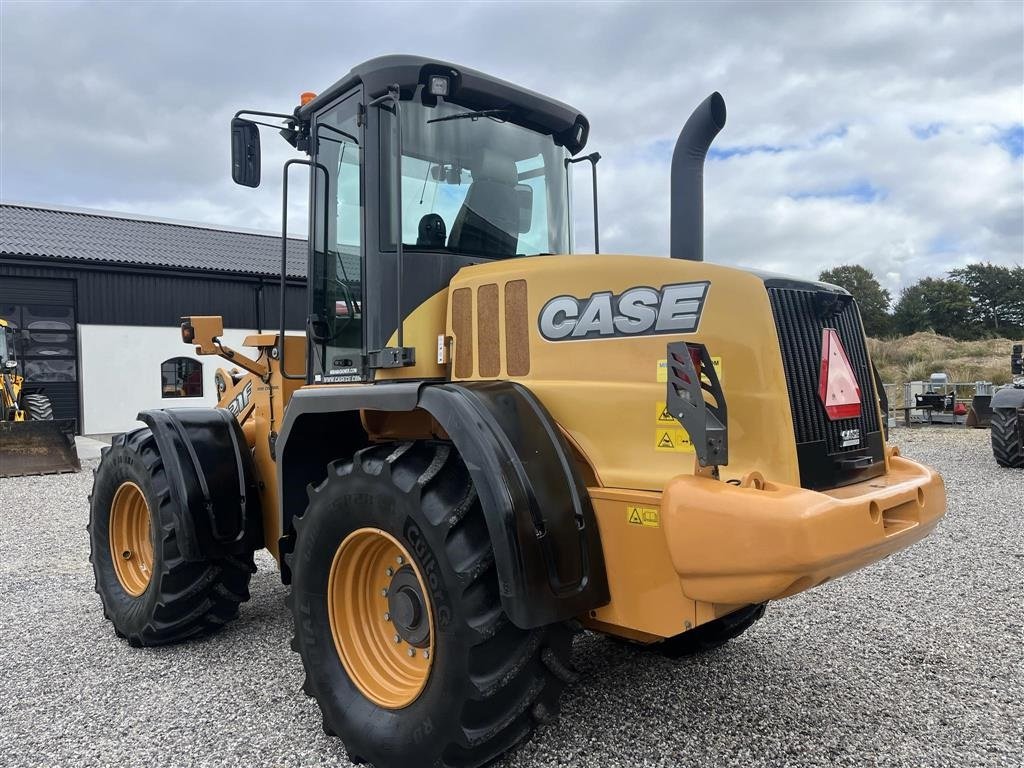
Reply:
x=1007, y=446
x=516, y=676
x=196, y=598
x=38, y=407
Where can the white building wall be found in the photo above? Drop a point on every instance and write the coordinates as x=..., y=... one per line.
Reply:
x=119, y=372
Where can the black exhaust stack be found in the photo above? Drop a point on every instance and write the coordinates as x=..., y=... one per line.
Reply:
x=688, y=177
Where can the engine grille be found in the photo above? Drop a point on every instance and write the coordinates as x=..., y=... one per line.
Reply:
x=824, y=462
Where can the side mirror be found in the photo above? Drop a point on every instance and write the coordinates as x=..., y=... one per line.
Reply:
x=245, y=152
x=11, y=364
x=524, y=199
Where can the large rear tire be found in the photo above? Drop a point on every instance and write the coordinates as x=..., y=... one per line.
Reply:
x=362, y=627
x=1007, y=444
x=150, y=593
x=37, y=407
x=712, y=635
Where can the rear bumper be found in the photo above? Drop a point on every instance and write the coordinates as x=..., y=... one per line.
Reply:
x=764, y=541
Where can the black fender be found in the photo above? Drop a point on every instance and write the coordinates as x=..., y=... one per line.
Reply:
x=213, y=481
x=543, y=529
x=1009, y=397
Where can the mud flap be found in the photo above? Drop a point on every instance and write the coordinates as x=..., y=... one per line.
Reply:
x=37, y=448
x=213, y=481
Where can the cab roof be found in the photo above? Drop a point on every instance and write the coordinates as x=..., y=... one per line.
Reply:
x=468, y=88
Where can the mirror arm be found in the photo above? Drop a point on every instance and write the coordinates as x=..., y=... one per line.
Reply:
x=281, y=115
x=294, y=132
x=268, y=125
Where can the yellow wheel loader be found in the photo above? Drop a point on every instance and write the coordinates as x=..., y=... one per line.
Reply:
x=31, y=441
x=484, y=442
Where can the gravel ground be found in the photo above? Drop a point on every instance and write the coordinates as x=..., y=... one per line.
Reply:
x=915, y=661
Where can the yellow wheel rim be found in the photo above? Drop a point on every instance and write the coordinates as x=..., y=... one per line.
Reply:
x=381, y=618
x=131, y=542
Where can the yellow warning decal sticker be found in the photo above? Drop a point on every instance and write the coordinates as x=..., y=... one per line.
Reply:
x=648, y=517
x=672, y=439
x=661, y=374
x=662, y=416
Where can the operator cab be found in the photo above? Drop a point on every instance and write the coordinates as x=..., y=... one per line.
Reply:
x=419, y=168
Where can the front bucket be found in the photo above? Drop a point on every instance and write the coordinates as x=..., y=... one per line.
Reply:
x=980, y=413
x=37, y=447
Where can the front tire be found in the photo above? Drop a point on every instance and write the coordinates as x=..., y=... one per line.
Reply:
x=487, y=682
x=1007, y=445
x=150, y=593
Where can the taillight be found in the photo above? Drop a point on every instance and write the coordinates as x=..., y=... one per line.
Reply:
x=694, y=358
x=837, y=385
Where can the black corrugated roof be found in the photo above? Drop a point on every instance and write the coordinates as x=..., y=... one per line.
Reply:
x=114, y=238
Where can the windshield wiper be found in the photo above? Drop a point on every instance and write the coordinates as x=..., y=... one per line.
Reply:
x=344, y=135
x=472, y=115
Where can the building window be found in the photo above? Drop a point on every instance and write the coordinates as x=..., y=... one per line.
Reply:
x=181, y=377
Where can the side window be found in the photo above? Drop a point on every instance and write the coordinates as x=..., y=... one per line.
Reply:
x=181, y=377
x=335, y=275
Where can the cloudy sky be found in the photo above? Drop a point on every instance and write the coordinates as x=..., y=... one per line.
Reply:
x=889, y=135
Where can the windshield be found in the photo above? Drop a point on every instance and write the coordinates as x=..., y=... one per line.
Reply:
x=474, y=185
x=3, y=345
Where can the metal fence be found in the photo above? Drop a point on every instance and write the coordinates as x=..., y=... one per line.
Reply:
x=901, y=397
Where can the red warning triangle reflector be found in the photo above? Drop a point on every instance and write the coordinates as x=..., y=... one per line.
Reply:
x=837, y=386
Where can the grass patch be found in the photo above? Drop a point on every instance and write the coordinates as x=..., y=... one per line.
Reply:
x=916, y=357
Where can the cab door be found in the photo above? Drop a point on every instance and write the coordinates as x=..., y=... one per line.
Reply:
x=337, y=259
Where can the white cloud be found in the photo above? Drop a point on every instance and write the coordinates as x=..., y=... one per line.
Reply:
x=126, y=107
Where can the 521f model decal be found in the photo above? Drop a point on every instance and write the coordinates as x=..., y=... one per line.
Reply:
x=238, y=403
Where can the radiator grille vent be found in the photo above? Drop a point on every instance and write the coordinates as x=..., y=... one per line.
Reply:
x=800, y=327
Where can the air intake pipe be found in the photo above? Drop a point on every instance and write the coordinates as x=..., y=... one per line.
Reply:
x=688, y=177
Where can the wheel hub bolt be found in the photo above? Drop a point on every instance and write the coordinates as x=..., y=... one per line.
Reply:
x=398, y=639
x=412, y=652
x=384, y=593
x=389, y=571
x=426, y=654
x=387, y=616
x=399, y=559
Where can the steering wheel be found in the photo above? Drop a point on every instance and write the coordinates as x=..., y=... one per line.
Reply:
x=350, y=302
x=347, y=297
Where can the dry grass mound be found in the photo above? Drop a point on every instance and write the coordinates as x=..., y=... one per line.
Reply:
x=916, y=357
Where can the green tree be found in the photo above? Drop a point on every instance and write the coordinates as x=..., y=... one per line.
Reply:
x=997, y=294
x=942, y=306
x=871, y=297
